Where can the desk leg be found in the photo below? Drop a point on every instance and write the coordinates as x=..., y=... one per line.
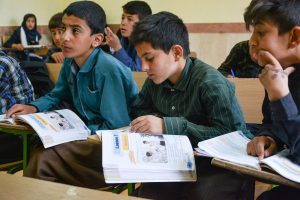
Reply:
x=130, y=188
x=26, y=138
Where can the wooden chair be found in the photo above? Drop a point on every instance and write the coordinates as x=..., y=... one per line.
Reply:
x=54, y=70
x=250, y=94
x=139, y=78
x=193, y=54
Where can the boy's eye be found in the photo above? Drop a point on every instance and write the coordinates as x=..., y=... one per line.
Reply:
x=75, y=30
x=63, y=29
x=149, y=59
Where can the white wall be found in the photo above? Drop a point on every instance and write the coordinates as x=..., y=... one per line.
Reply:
x=191, y=11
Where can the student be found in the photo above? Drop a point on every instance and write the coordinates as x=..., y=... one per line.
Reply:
x=15, y=88
x=133, y=12
x=241, y=62
x=55, y=25
x=26, y=34
x=101, y=89
x=276, y=34
x=185, y=96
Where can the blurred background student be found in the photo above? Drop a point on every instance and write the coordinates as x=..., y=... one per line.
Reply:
x=55, y=54
x=23, y=36
x=241, y=62
x=133, y=12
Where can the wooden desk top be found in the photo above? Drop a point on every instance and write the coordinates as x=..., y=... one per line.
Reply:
x=15, y=187
x=16, y=128
x=259, y=175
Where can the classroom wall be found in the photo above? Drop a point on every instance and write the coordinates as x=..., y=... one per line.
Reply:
x=214, y=25
x=191, y=11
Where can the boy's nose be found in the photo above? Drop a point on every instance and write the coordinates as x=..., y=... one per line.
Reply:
x=65, y=36
x=145, y=67
x=252, y=40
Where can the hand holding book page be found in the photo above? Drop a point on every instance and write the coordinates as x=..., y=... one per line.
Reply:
x=54, y=127
x=135, y=157
x=232, y=147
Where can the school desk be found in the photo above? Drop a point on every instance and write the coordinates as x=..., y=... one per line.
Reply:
x=260, y=175
x=23, y=131
x=15, y=187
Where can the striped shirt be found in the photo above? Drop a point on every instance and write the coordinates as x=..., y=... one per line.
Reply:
x=201, y=105
x=15, y=87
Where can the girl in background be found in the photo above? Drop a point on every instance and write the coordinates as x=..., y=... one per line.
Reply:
x=23, y=36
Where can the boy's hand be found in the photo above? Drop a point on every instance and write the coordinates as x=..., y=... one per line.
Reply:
x=261, y=146
x=112, y=39
x=148, y=124
x=273, y=77
x=58, y=57
x=20, y=109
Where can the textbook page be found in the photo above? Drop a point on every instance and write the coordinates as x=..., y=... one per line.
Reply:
x=231, y=146
x=283, y=166
x=56, y=127
x=134, y=157
x=5, y=120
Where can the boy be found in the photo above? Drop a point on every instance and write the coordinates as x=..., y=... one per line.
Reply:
x=15, y=87
x=101, y=89
x=133, y=12
x=241, y=62
x=183, y=95
x=276, y=34
x=55, y=54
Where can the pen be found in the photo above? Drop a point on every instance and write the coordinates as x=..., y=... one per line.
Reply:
x=232, y=73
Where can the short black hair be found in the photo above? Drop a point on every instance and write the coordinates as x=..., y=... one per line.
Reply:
x=162, y=31
x=56, y=21
x=285, y=14
x=140, y=8
x=89, y=11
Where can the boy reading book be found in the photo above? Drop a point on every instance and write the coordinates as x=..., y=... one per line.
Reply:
x=276, y=33
x=101, y=89
x=185, y=96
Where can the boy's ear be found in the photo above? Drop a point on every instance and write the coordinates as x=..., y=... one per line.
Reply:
x=295, y=37
x=98, y=38
x=177, y=51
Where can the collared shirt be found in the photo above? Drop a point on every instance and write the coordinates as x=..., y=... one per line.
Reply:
x=282, y=118
x=15, y=87
x=201, y=104
x=128, y=55
x=102, y=91
x=240, y=63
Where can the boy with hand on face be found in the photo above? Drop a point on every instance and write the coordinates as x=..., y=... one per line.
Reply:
x=133, y=12
x=99, y=86
x=276, y=34
x=185, y=96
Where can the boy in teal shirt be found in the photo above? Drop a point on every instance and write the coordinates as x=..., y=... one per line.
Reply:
x=99, y=86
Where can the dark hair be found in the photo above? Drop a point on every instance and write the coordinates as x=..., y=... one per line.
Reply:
x=282, y=13
x=162, y=31
x=29, y=15
x=56, y=21
x=89, y=11
x=140, y=8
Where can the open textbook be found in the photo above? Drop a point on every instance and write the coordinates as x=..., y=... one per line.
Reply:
x=232, y=147
x=135, y=157
x=53, y=127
